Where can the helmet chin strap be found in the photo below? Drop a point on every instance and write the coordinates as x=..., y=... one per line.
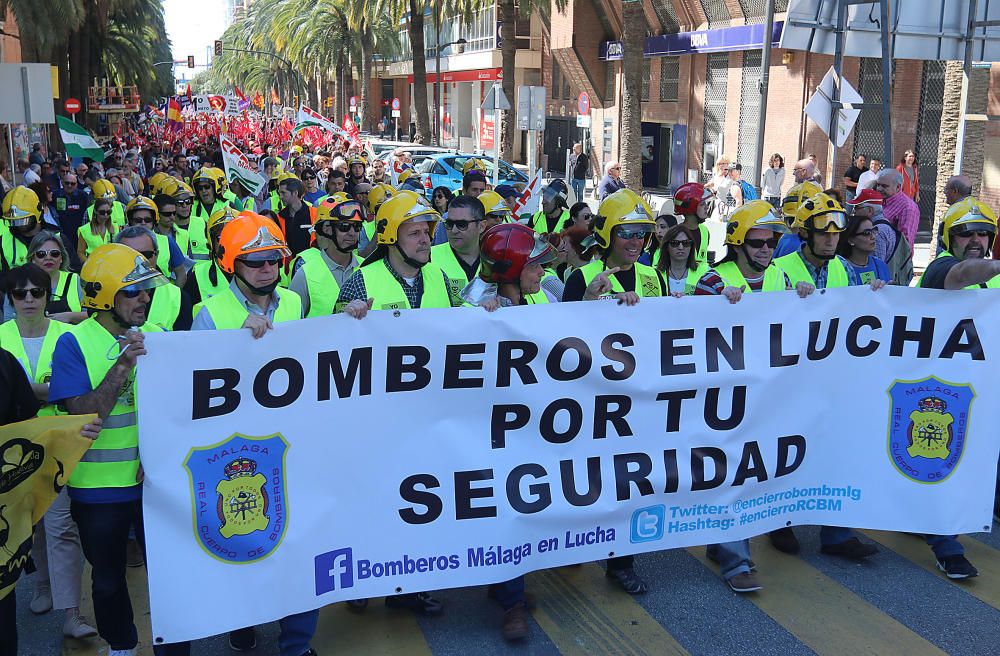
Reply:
x=406, y=258
x=809, y=242
x=756, y=266
x=260, y=291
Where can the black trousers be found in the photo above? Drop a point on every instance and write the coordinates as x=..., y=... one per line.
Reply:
x=8, y=624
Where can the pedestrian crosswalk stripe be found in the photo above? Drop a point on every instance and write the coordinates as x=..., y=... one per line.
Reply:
x=823, y=614
x=584, y=613
x=377, y=630
x=984, y=557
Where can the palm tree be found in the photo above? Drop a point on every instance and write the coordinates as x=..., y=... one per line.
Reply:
x=41, y=34
x=634, y=30
x=374, y=23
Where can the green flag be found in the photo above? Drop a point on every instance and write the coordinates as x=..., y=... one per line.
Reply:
x=78, y=141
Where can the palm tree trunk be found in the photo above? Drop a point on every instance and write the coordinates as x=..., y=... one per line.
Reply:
x=633, y=40
x=367, y=54
x=341, y=90
x=416, y=29
x=508, y=50
x=947, y=137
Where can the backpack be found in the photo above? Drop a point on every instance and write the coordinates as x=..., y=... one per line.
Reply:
x=749, y=193
x=900, y=260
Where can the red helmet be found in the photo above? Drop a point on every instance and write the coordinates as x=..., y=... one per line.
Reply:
x=688, y=196
x=506, y=248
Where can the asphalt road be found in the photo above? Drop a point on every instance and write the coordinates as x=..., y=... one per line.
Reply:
x=896, y=603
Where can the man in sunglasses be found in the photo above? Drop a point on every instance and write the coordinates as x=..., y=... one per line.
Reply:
x=22, y=213
x=318, y=273
x=93, y=371
x=170, y=307
x=71, y=206
x=554, y=215
x=459, y=256
x=310, y=180
x=169, y=259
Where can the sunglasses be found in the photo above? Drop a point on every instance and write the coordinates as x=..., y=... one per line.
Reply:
x=203, y=187
x=679, y=243
x=132, y=293
x=149, y=255
x=142, y=219
x=346, y=227
x=771, y=243
x=162, y=213
x=54, y=253
x=21, y=294
x=636, y=233
x=185, y=202
x=258, y=264
x=309, y=177
x=868, y=232
x=100, y=213
x=968, y=234
x=460, y=225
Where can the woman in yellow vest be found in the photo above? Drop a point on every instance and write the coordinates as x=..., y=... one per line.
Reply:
x=623, y=227
x=49, y=254
x=97, y=232
x=31, y=338
x=676, y=260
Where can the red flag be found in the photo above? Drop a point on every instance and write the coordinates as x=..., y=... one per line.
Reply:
x=240, y=93
x=258, y=100
x=190, y=99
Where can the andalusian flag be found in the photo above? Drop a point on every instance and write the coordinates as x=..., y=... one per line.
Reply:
x=78, y=141
x=308, y=118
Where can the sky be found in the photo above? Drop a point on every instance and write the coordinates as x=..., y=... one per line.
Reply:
x=193, y=26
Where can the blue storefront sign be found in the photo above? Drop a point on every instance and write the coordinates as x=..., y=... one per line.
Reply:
x=726, y=39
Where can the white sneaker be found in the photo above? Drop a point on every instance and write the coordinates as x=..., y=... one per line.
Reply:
x=41, y=601
x=77, y=627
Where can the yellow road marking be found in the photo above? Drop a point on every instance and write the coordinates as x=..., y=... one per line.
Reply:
x=823, y=614
x=378, y=630
x=984, y=557
x=584, y=613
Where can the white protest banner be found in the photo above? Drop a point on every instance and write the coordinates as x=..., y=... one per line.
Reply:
x=238, y=167
x=417, y=450
x=308, y=118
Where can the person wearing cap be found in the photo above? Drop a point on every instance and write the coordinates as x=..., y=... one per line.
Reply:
x=356, y=167
x=554, y=214
x=890, y=245
x=196, y=227
x=790, y=242
x=93, y=371
x=696, y=202
x=251, y=249
x=473, y=184
x=22, y=213
x=207, y=278
x=361, y=191
x=310, y=180
x=459, y=257
x=318, y=273
x=378, y=195
x=399, y=273
x=100, y=188
x=166, y=224
x=509, y=195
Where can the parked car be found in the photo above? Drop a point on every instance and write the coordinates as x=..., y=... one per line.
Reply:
x=445, y=170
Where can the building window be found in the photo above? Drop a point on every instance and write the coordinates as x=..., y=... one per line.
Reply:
x=556, y=79
x=716, y=12
x=646, y=74
x=609, y=82
x=566, y=87
x=667, y=16
x=754, y=11
x=670, y=72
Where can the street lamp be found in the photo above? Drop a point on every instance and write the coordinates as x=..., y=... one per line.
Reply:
x=437, y=72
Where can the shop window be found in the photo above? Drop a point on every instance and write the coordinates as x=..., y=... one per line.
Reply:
x=670, y=71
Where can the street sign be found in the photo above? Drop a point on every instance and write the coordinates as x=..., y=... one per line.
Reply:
x=530, y=108
x=354, y=102
x=487, y=136
x=583, y=120
x=820, y=107
x=583, y=103
x=72, y=106
x=494, y=95
x=395, y=104
x=396, y=113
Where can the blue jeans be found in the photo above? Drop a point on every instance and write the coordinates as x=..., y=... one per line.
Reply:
x=509, y=593
x=733, y=557
x=579, y=186
x=296, y=633
x=945, y=545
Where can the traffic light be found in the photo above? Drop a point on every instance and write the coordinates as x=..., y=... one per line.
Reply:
x=218, y=48
x=190, y=61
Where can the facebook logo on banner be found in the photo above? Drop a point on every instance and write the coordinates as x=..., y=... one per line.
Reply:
x=334, y=569
x=647, y=524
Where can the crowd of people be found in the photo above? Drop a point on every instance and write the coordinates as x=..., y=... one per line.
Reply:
x=96, y=255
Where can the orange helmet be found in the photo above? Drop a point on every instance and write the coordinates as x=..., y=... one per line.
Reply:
x=249, y=236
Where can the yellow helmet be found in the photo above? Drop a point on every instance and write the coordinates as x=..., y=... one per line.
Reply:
x=220, y=218
x=179, y=189
x=378, y=195
x=212, y=175
x=20, y=205
x=286, y=175
x=821, y=213
x=473, y=164
x=968, y=213
x=104, y=189
x=404, y=176
x=356, y=159
x=142, y=203
x=157, y=180
x=798, y=195
x=622, y=207
x=494, y=203
x=112, y=268
x=339, y=207
x=755, y=214
x=403, y=207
